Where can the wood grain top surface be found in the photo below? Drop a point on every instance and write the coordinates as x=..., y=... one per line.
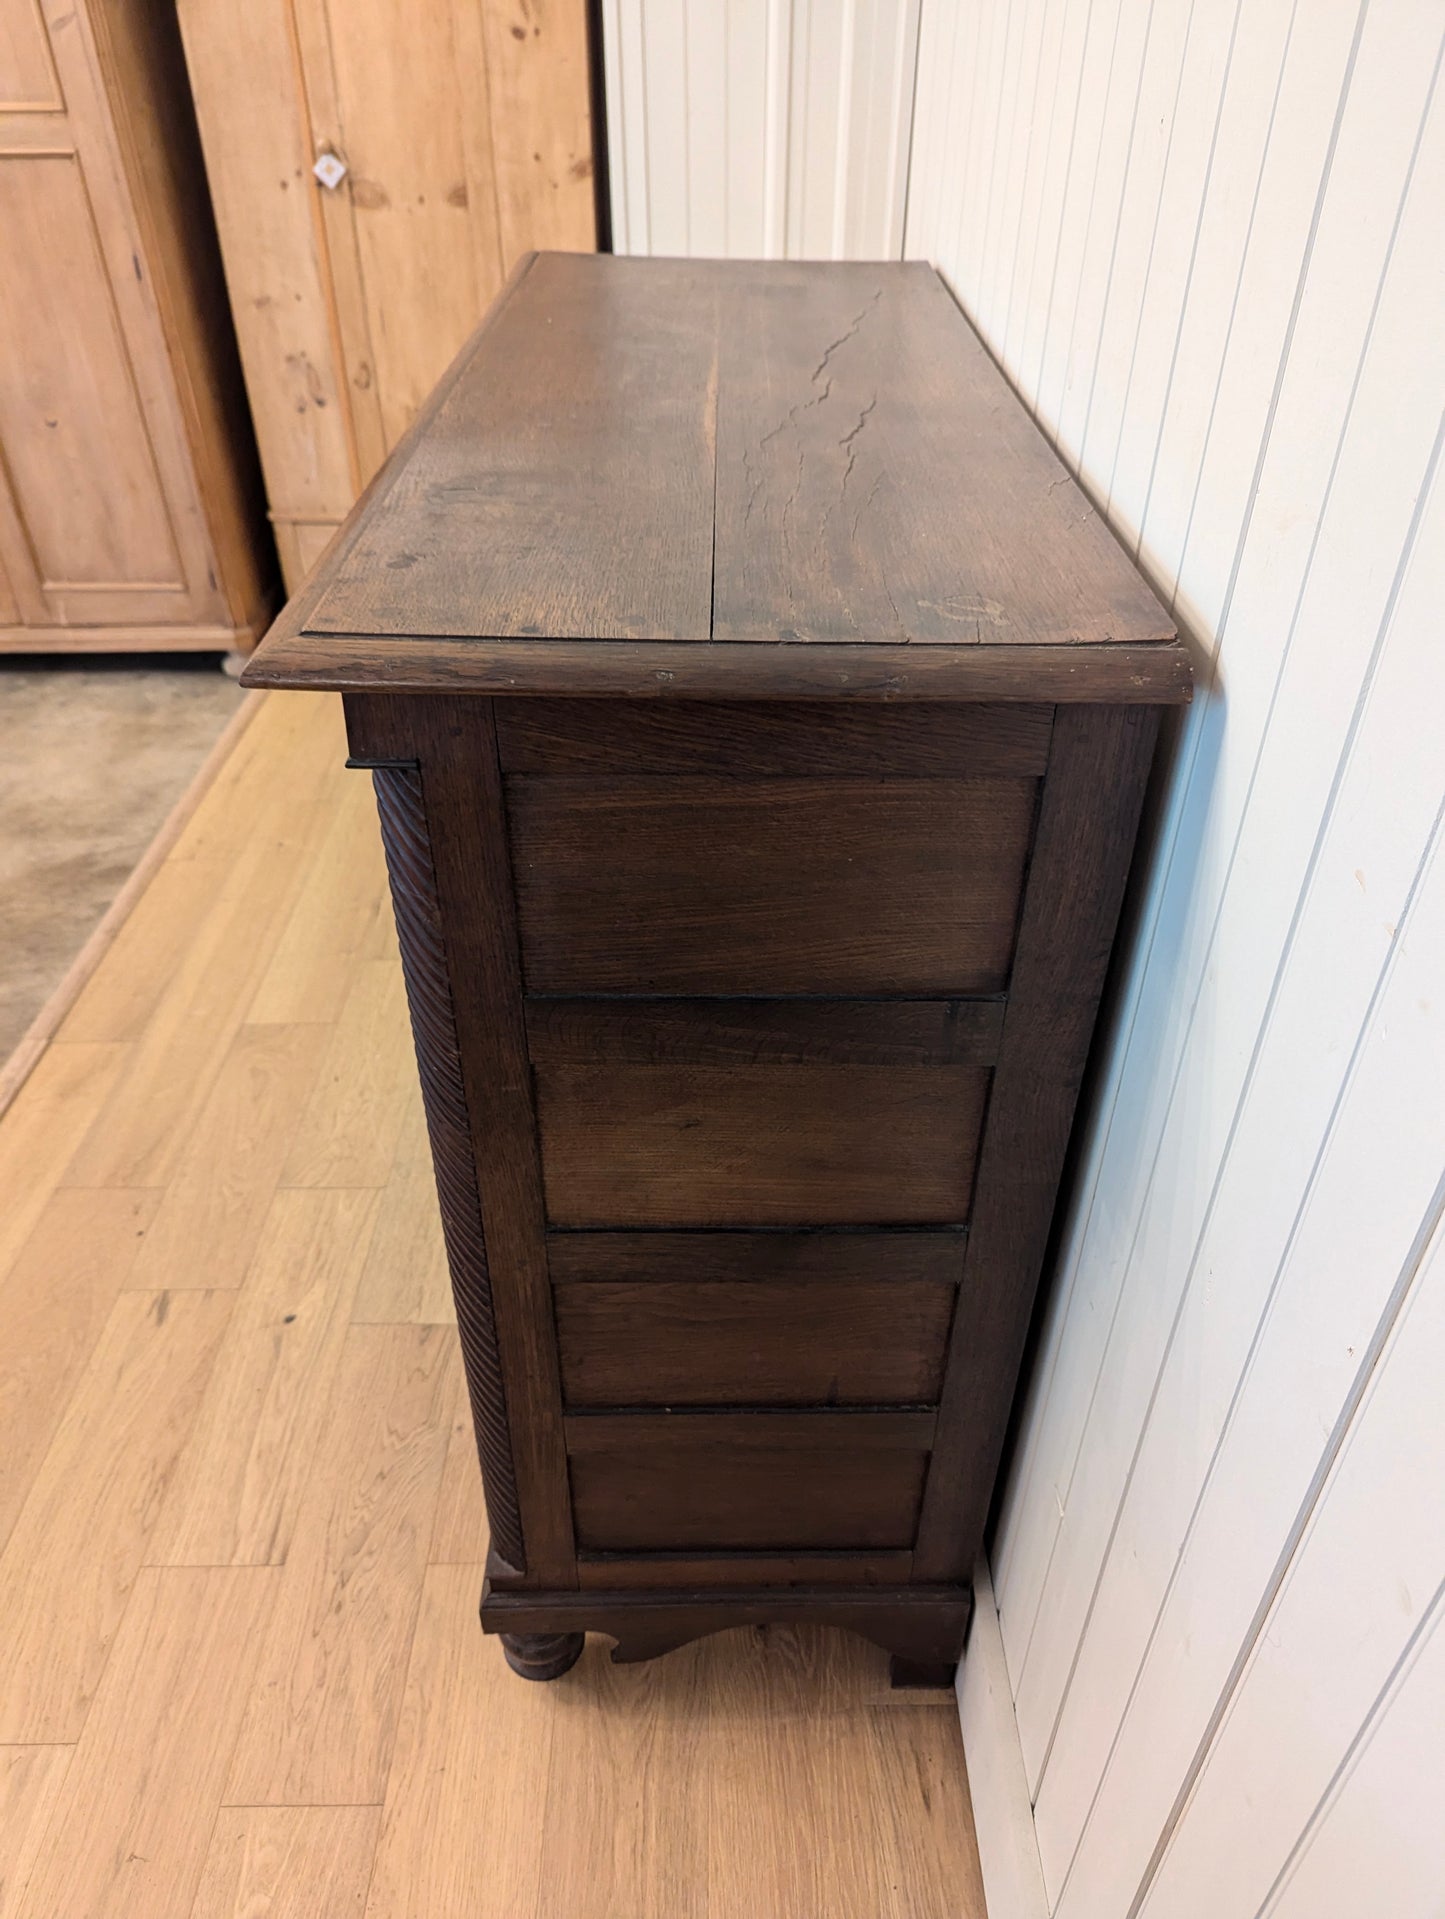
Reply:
x=687, y=455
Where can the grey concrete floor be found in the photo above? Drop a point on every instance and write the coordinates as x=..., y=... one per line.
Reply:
x=94, y=752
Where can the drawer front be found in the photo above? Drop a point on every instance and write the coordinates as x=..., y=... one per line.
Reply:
x=800, y=1319
x=683, y=884
x=810, y=1482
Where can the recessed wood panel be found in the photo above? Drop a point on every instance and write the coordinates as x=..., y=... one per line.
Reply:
x=758, y=1145
x=810, y=1343
x=27, y=73
x=782, y=1318
x=680, y=885
x=76, y=444
x=846, y=1482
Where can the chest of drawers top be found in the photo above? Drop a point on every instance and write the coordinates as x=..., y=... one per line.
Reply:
x=720, y=479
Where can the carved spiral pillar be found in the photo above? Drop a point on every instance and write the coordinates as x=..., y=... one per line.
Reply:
x=401, y=804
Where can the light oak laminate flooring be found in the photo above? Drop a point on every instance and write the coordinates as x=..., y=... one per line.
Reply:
x=241, y=1533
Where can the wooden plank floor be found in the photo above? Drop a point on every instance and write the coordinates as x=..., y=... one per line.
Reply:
x=241, y=1534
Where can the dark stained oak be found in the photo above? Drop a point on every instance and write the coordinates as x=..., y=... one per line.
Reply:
x=925, y=1625
x=718, y=450
x=750, y=1497
x=406, y=837
x=774, y=1145
x=689, y=885
x=716, y=1032
x=685, y=1342
x=607, y=1572
x=876, y=482
x=899, y=1429
x=775, y=741
x=629, y=1259
x=761, y=720
x=588, y=410
x=1090, y=816
x=455, y=749
x=747, y=1481
x=542, y=1655
x=863, y=675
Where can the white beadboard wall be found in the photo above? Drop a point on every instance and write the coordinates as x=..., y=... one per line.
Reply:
x=759, y=129
x=1207, y=242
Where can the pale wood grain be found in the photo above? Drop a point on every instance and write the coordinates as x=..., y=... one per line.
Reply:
x=80, y=1540
x=117, y=1001
x=141, y=1134
x=137, y=54
x=242, y=1477
x=461, y=1835
x=626, y=1746
x=288, y=1862
x=349, y=1131
x=333, y=919
x=96, y=503
x=30, y=78
x=62, y=1095
x=886, y=1786
x=54, y=1303
x=327, y=1682
x=136, y=1808
x=253, y=798
x=30, y=1782
x=536, y=63
x=128, y=511
x=404, y=101
x=406, y=1276
x=921, y=1818
x=345, y=290
x=745, y=1774
x=460, y=1535
x=211, y=1216
x=259, y=153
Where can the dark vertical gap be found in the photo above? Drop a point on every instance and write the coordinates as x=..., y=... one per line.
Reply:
x=597, y=106
x=714, y=398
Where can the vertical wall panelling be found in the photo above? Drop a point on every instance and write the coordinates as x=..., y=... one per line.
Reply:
x=1203, y=240
x=760, y=128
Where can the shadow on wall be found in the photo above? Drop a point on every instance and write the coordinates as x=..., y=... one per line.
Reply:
x=1164, y=889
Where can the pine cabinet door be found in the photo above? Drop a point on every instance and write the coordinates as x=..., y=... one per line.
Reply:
x=101, y=523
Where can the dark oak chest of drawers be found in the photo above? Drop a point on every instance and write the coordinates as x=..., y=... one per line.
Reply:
x=760, y=720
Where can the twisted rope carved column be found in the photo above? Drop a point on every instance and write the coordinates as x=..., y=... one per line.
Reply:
x=400, y=803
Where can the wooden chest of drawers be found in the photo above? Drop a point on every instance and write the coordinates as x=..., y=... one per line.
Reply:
x=760, y=721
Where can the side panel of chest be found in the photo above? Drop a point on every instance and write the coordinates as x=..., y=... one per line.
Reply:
x=751, y=1037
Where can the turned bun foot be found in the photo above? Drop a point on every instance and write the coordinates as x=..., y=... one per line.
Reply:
x=542, y=1655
